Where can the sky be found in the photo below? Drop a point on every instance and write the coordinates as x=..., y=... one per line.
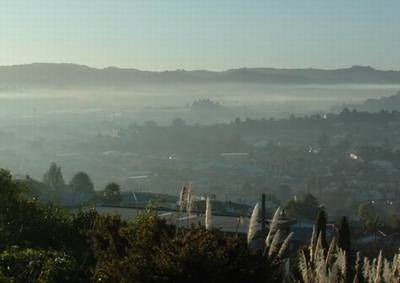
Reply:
x=202, y=34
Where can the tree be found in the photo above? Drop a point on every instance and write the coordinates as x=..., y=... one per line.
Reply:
x=307, y=207
x=81, y=182
x=367, y=211
x=372, y=225
x=178, y=123
x=150, y=124
x=27, y=223
x=343, y=237
x=9, y=189
x=310, y=200
x=320, y=227
x=344, y=242
x=54, y=177
x=112, y=193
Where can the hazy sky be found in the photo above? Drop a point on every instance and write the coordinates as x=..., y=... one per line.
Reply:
x=201, y=34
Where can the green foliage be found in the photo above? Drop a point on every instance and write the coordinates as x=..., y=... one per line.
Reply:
x=34, y=265
x=28, y=224
x=151, y=250
x=17, y=215
x=9, y=189
x=307, y=208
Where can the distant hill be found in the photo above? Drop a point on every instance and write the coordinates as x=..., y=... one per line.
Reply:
x=388, y=103
x=55, y=75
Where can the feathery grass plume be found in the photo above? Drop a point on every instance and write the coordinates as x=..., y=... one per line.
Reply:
x=381, y=270
x=303, y=267
x=379, y=265
x=321, y=271
x=366, y=269
x=319, y=264
x=182, y=198
x=253, y=223
x=373, y=270
x=357, y=269
x=396, y=262
x=322, y=268
x=333, y=274
x=342, y=263
x=274, y=248
x=208, y=215
x=331, y=251
x=319, y=250
x=313, y=236
x=396, y=265
x=312, y=243
x=387, y=271
x=315, y=267
x=273, y=227
x=285, y=246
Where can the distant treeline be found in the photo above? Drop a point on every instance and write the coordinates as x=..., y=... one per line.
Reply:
x=241, y=135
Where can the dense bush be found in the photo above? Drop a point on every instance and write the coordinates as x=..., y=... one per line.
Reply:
x=150, y=250
x=44, y=232
x=34, y=265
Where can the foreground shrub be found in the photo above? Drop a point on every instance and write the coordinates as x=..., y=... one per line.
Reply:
x=151, y=250
x=34, y=265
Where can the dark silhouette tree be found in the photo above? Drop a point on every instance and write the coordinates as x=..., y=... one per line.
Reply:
x=112, y=193
x=372, y=225
x=344, y=242
x=367, y=211
x=310, y=200
x=81, y=182
x=54, y=177
x=344, y=235
x=178, y=123
x=307, y=207
x=320, y=227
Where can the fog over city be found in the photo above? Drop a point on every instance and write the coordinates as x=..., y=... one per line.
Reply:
x=51, y=111
x=199, y=141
